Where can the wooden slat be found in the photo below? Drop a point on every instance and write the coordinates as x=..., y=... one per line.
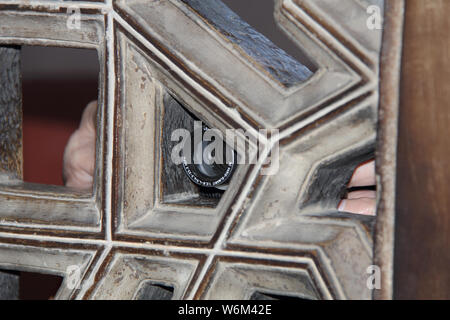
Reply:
x=422, y=240
x=10, y=139
x=10, y=113
x=386, y=150
x=275, y=61
x=9, y=285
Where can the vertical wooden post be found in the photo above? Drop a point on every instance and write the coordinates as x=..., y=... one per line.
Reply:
x=422, y=236
x=386, y=151
x=10, y=139
x=10, y=113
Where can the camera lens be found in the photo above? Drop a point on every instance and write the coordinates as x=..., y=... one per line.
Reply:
x=209, y=167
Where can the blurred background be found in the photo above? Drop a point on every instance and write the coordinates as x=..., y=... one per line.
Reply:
x=57, y=83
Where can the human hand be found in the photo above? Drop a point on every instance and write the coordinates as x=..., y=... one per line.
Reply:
x=361, y=201
x=79, y=155
x=79, y=163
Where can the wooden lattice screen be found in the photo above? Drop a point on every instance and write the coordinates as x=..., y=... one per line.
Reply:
x=138, y=235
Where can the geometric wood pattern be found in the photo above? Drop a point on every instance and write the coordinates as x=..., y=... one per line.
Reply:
x=277, y=234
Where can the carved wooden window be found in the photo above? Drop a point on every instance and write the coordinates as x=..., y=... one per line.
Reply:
x=146, y=231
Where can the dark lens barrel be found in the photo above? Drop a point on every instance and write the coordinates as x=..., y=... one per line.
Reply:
x=214, y=173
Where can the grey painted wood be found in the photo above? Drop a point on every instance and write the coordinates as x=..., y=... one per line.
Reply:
x=10, y=140
x=174, y=180
x=272, y=59
x=10, y=112
x=176, y=186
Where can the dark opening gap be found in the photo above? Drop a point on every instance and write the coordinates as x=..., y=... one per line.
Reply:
x=21, y=285
x=269, y=296
x=57, y=84
x=152, y=291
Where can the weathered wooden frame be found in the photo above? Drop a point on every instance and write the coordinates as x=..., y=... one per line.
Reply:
x=256, y=225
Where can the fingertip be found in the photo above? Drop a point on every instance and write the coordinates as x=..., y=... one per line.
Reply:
x=364, y=175
x=363, y=206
